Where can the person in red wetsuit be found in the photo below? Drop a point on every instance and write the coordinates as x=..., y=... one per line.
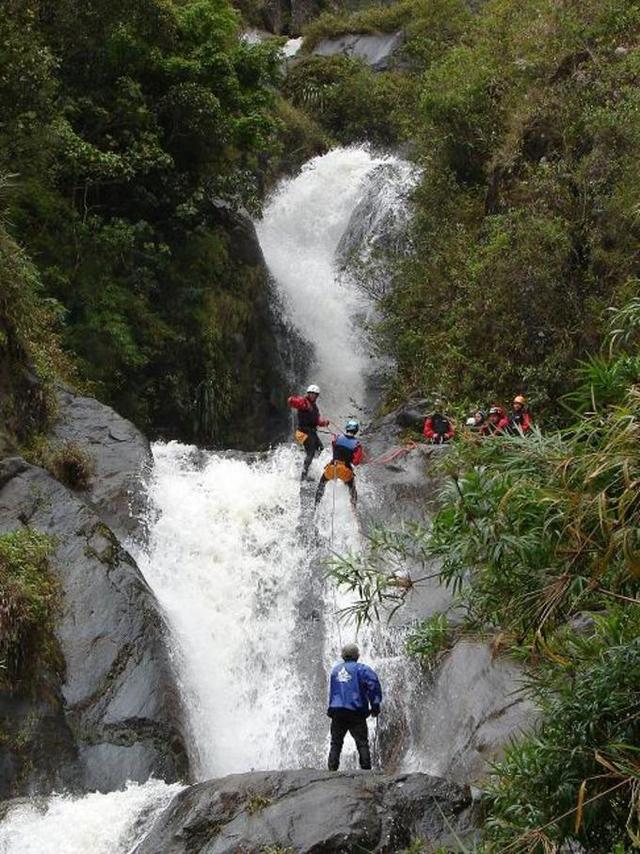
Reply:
x=495, y=418
x=519, y=419
x=437, y=427
x=308, y=422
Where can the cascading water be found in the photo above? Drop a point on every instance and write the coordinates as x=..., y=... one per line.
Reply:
x=232, y=555
x=93, y=824
x=229, y=556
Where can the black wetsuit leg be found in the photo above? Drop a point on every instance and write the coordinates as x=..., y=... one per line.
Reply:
x=342, y=722
x=320, y=490
x=312, y=445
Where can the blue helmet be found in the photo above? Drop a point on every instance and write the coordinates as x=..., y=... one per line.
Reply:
x=352, y=427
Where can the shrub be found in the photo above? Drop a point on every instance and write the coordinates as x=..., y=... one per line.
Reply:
x=256, y=803
x=429, y=638
x=29, y=596
x=578, y=776
x=300, y=136
x=352, y=102
x=68, y=461
x=71, y=464
x=29, y=346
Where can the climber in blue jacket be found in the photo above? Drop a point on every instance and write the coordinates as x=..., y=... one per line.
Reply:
x=354, y=694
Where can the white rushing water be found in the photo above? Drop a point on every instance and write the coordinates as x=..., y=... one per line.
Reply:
x=299, y=235
x=232, y=555
x=93, y=824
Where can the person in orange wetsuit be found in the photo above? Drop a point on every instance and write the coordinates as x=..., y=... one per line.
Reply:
x=308, y=422
x=438, y=428
x=519, y=419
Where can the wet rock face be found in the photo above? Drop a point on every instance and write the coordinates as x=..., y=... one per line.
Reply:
x=120, y=454
x=459, y=717
x=473, y=707
x=290, y=16
x=310, y=812
x=377, y=51
x=117, y=715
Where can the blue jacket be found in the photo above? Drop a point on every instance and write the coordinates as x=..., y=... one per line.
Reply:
x=355, y=687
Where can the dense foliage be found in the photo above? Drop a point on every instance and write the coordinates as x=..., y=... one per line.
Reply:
x=128, y=127
x=28, y=600
x=30, y=353
x=526, y=218
x=353, y=102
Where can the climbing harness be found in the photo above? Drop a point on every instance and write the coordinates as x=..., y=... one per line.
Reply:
x=339, y=470
x=300, y=437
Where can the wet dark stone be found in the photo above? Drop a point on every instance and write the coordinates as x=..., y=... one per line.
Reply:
x=311, y=812
x=115, y=715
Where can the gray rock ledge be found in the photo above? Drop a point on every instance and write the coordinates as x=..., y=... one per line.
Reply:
x=312, y=812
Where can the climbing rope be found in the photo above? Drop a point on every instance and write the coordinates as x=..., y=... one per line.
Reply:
x=333, y=588
x=333, y=508
x=392, y=454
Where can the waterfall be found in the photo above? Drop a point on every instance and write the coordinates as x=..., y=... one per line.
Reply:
x=93, y=824
x=232, y=554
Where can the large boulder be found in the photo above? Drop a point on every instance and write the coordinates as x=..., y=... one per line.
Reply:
x=115, y=716
x=119, y=453
x=377, y=50
x=471, y=709
x=311, y=812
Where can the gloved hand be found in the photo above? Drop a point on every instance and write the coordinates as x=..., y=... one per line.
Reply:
x=375, y=711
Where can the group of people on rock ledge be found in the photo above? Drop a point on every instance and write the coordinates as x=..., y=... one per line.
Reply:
x=440, y=428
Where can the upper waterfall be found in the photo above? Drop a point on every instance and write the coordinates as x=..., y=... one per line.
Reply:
x=300, y=232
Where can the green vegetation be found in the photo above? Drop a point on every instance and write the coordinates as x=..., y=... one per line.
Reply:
x=351, y=102
x=256, y=803
x=127, y=128
x=532, y=533
x=578, y=776
x=29, y=598
x=430, y=26
x=372, y=19
x=526, y=217
x=429, y=638
x=30, y=354
x=69, y=462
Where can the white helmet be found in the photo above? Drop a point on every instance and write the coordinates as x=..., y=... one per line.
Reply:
x=313, y=389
